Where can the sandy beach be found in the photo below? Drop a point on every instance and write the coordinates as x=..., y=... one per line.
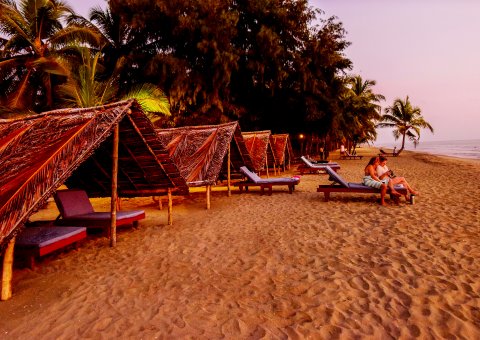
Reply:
x=274, y=267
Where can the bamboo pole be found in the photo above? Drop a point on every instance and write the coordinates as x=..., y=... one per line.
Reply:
x=209, y=189
x=7, y=271
x=266, y=165
x=113, y=206
x=160, y=205
x=228, y=173
x=170, y=207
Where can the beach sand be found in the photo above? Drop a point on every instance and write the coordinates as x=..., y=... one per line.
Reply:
x=280, y=266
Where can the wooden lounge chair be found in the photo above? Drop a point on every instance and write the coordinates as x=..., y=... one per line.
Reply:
x=384, y=153
x=34, y=242
x=340, y=185
x=268, y=183
x=346, y=155
x=310, y=167
x=75, y=209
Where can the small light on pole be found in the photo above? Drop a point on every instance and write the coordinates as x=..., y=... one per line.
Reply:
x=301, y=136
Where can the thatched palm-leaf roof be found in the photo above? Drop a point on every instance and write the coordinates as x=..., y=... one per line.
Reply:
x=282, y=147
x=260, y=148
x=40, y=153
x=199, y=151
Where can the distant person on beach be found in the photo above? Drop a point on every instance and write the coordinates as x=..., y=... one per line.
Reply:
x=372, y=179
x=383, y=172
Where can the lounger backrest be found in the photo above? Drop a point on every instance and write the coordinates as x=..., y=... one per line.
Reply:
x=73, y=202
x=250, y=175
x=336, y=177
x=306, y=161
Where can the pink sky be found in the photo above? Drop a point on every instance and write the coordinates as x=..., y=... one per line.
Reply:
x=426, y=49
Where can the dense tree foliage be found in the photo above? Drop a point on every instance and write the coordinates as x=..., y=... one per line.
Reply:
x=258, y=61
x=272, y=64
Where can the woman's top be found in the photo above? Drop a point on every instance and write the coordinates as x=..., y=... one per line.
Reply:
x=381, y=170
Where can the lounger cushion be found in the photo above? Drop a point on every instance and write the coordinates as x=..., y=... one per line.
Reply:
x=106, y=215
x=251, y=175
x=319, y=165
x=278, y=180
x=43, y=236
x=73, y=203
x=336, y=177
x=258, y=180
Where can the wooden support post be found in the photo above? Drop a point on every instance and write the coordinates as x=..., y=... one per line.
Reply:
x=160, y=205
x=229, y=188
x=170, y=207
x=266, y=165
x=113, y=206
x=7, y=271
x=209, y=189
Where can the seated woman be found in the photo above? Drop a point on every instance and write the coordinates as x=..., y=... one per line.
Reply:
x=371, y=179
x=383, y=172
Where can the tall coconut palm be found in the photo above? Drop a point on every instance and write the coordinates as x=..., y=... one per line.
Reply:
x=31, y=56
x=361, y=109
x=133, y=47
x=406, y=120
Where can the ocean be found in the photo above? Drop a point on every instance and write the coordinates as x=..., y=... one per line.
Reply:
x=455, y=148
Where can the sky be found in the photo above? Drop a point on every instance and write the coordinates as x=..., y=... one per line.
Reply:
x=428, y=50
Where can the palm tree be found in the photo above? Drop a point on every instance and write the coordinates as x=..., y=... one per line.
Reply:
x=361, y=110
x=88, y=86
x=31, y=55
x=406, y=120
x=124, y=49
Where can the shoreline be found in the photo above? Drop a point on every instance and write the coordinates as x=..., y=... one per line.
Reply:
x=272, y=266
x=389, y=146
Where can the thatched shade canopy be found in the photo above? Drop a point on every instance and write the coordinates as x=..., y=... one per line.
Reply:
x=40, y=153
x=282, y=147
x=260, y=149
x=200, y=151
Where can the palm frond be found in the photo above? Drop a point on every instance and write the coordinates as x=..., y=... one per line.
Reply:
x=152, y=99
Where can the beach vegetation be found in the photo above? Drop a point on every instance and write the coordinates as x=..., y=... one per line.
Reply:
x=362, y=111
x=87, y=86
x=270, y=64
x=34, y=45
x=406, y=121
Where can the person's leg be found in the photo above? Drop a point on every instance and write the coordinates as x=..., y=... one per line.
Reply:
x=383, y=192
x=392, y=189
x=402, y=180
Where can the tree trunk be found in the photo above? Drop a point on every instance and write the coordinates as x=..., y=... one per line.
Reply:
x=403, y=143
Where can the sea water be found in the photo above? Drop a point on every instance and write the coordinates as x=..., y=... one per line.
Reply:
x=456, y=148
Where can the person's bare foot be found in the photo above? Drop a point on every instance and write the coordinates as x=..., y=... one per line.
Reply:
x=383, y=203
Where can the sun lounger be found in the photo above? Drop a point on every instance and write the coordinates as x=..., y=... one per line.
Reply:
x=75, y=209
x=383, y=153
x=346, y=155
x=268, y=183
x=340, y=185
x=310, y=167
x=39, y=241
